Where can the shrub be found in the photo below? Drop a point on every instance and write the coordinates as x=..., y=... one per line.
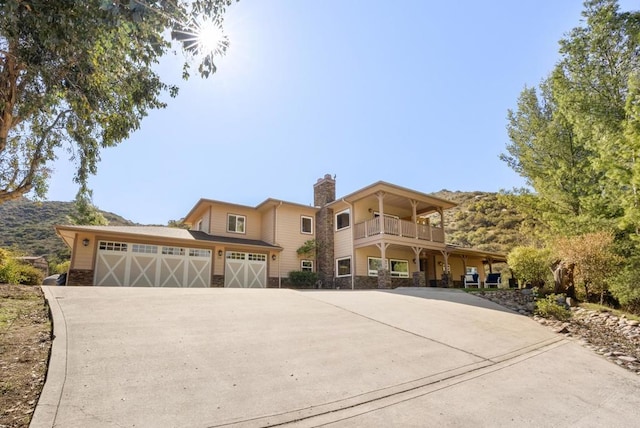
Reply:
x=530, y=265
x=549, y=308
x=593, y=259
x=303, y=279
x=29, y=275
x=9, y=273
x=62, y=267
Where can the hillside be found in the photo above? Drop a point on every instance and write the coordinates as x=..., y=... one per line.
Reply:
x=27, y=226
x=481, y=220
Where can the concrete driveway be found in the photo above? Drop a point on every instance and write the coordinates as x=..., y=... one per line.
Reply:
x=135, y=357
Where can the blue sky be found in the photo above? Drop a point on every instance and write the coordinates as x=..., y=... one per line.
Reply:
x=414, y=92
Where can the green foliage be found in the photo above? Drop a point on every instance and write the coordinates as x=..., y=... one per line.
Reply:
x=13, y=271
x=625, y=287
x=61, y=267
x=9, y=268
x=575, y=138
x=29, y=275
x=308, y=249
x=81, y=75
x=530, y=265
x=86, y=213
x=548, y=307
x=482, y=220
x=303, y=279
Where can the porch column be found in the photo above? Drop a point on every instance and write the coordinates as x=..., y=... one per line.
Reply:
x=380, y=196
x=414, y=215
x=384, y=279
x=417, y=280
x=446, y=276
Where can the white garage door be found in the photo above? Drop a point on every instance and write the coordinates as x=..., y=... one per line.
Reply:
x=140, y=265
x=245, y=270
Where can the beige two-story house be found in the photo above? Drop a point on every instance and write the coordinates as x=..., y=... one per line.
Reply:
x=381, y=236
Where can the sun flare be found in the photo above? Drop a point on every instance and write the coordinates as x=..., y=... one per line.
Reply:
x=210, y=37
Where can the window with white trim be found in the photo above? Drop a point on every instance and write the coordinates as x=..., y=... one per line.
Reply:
x=199, y=225
x=236, y=223
x=113, y=246
x=343, y=266
x=399, y=268
x=195, y=252
x=306, y=265
x=141, y=248
x=173, y=251
x=306, y=224
x=343, y=219
x=374, y=265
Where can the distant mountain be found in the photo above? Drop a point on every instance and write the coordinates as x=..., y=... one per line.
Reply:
x=27, y=226
x=480, y=220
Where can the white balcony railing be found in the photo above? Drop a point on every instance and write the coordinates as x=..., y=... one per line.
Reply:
x=396, y=227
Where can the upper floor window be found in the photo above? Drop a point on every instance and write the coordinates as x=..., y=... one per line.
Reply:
x=343, y=219
x=306, y=224
x=199, y=225
x=236, y=223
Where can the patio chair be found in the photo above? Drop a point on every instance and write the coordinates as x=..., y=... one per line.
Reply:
x=472, y=280
x=492, y=280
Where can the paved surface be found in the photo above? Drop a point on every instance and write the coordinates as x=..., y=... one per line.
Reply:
x=125, y=357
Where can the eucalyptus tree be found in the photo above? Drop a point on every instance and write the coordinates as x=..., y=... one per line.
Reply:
x=78, y=75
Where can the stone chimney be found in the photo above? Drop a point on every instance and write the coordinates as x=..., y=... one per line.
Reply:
x=324, y=192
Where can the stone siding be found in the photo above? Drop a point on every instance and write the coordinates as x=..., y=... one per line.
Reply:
x=217, y=281
x=80, y=277
x=324, y=191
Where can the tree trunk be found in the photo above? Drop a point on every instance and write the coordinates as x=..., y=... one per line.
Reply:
x=558, y=277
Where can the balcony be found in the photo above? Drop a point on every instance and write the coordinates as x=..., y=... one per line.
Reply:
x=400, y=228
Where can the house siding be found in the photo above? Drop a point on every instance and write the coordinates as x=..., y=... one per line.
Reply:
x=290, y=237
x=343, y=243
x=83, y=256
x=268, y=225
x=253, y=224
x=206, y=221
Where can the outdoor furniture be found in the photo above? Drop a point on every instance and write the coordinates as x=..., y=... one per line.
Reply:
x=472, y=280
x=492, y=280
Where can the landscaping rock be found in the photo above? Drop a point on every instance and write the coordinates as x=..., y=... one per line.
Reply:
x=616, y=338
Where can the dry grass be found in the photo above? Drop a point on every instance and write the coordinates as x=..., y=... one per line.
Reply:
x=25, y=344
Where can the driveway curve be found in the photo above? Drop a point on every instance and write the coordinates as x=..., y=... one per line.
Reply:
x=125, y=357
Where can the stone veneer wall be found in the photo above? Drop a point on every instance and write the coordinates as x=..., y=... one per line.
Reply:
x=80, y=277
x=371, y=282
x=324, y=192
x=217, y=281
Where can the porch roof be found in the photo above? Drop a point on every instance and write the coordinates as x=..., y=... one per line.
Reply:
x=474, y=252
x=398, y=196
